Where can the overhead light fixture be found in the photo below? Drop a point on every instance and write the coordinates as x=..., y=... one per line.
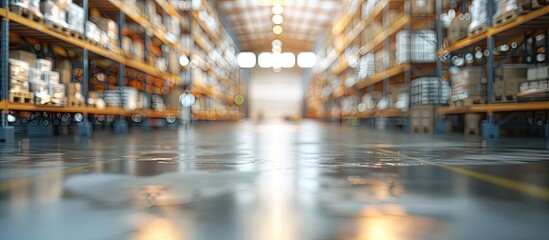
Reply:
x=276, y=42
x=277, y=29
x=274, y=2
x=246, y=59
x=306, y=60
x=278, y=19
x=288, y=60
x=183, y=60
x=278, y=9
x=277, y=49
x=264, y=60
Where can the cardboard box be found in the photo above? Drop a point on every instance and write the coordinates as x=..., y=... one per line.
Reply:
x=50, y=77
x=28, y=57
x=65, y=71
x=422, y=7
x=543, y=72
x=44, y=64
x=532, y=74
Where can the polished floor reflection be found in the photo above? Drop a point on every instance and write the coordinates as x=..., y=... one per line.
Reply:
x=275, y=180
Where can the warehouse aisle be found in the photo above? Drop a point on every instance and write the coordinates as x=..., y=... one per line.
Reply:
x=306, y=180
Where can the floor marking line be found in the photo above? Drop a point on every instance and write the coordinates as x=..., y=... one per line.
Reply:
x=500, y=181
x=23, y=181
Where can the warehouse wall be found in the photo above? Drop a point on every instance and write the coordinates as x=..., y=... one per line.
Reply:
x=275, y=94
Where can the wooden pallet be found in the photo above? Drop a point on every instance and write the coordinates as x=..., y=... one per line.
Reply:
x=73, y=102
x=478, y=30
x=505, y=18
x=57, y=27
x=506, y=98
x=467, y=102
x=76, y=34
x=27, y=13
x=21, y=97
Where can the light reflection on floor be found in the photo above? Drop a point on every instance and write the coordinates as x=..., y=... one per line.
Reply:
x=279, y=180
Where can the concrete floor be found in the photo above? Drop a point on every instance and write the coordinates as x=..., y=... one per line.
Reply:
x=285, y=181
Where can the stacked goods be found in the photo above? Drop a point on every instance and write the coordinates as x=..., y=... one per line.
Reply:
x=469, y=83
x=25, y=56
x=425, y=90
x=19, y=75
x=506, y=10
x=57, y=93
x=55, y=11
x=173, y=28
x=109, y=31
x=422, y=7
x=127, y=46
x=125, y=97
x=74, y=94
x=479, y=17
x=507, y=81
x=537, y=85
x=92, y=32
x=39, y=87
x=32, y=5
x=400, y=97
x=369, y=101
x=158, y=103
x=459, y=28
x=75, y=18
x=420, y=46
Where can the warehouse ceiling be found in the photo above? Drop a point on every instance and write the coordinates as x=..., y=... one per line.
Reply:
x=303, y=21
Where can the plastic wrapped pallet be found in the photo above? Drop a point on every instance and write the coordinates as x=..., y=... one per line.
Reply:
x=469, y=82
x=459, y=28
x=44, y=64
x=425, y=90
x=75, y=18
x=41, y=92
x=109, y=30
x=92, y=32
x=508, y=79
x=367, y=67
x=32, y=5
x=505, y=6
x=50, y=77
x=18, y=75
x=53, y=13
x=421, y=46
x=423, y=7
x=479, y=15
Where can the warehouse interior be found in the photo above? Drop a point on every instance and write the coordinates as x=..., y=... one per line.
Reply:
x=274, y=119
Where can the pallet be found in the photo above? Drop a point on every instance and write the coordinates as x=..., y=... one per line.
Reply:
x=27, y=13
x=467, y=102
x=504, y=99
x=478, y=30
x=505, y=18
x=72, y=102
x=76, y=34
x=21, y=97
x=57, y=27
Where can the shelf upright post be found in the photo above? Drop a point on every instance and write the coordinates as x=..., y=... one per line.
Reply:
x=440, y=123
x=6, y=132
x=120, y=124
x=408, y=72
x=84, y=127
x=490, y=130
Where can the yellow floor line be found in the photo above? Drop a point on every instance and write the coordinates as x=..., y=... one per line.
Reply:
x=533, y=190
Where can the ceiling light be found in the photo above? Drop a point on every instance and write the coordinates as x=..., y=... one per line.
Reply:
x=183, y=60
x=277, y=19
x=276, y=42
x=306, y=60
x=246, y=59
x=277, y=29
x=277, y=49
x=278, y=9
x=264, y=60
x=288, y=60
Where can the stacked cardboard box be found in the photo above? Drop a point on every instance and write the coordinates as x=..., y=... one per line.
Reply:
x=55, y=11
x=469, y=82
x=75, y=18
x=18, y=75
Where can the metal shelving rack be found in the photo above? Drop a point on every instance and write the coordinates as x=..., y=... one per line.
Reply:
x=337, y=64
x=498, y=114
x=114, y=8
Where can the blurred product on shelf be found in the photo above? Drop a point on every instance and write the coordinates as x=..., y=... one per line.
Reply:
x=425, y=90
x=400, y=97
x=468, y=83
x=18, y=75
x=92, y=32
x=31, y=5
x=423, y=7
x=420, y=46
x=50, y=77
x=459, y=28
x=479, y=17
x=370, y=100
x=55, y=13
x=57, y=94
x=108, y=28
x=75, y=18
x=64, y=67
x=44, y=64
x=25, y=56
x=537, y=85
x=158, y=103
x=74, y=95
x=508, y=80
